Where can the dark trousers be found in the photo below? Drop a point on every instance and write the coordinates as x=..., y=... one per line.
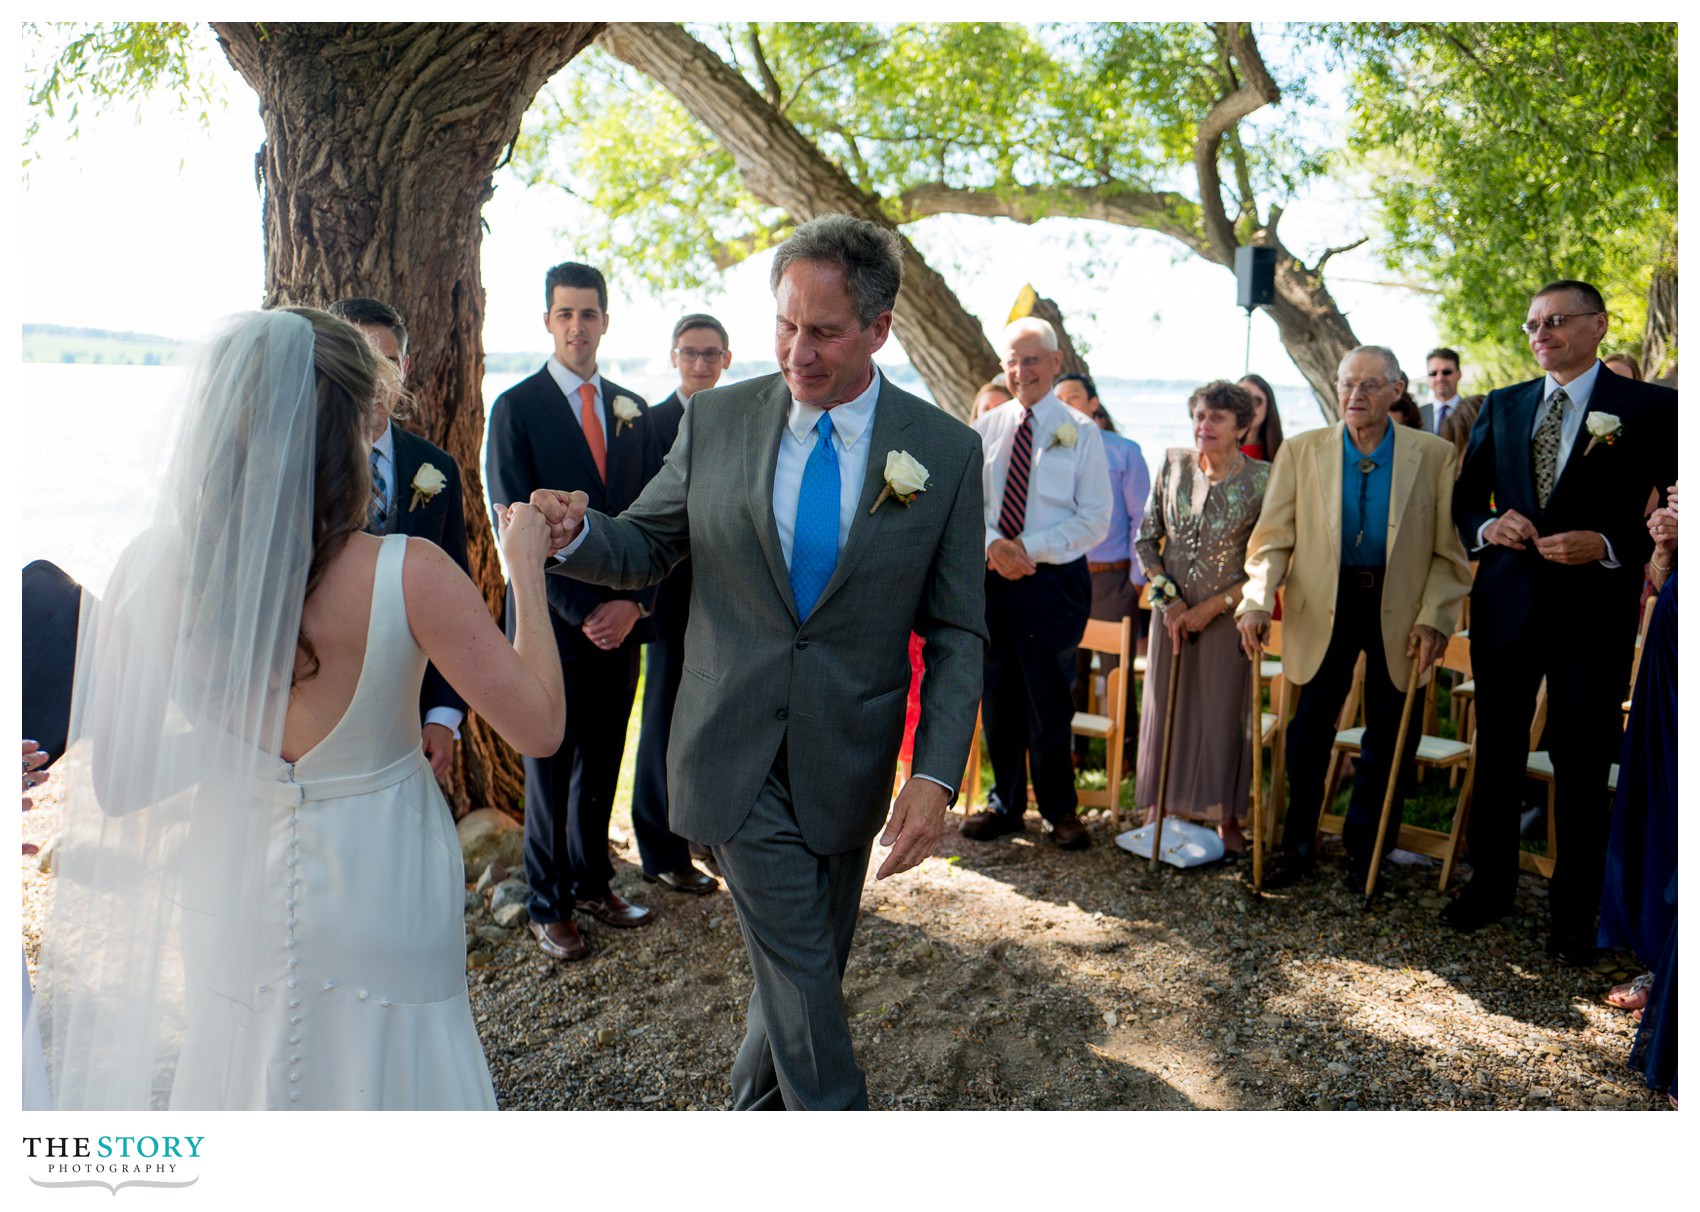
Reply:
x=1587, y=673
x=570, y=794
x=1035, y=625
x=1113, y=596
x=1310, y=733
x=797, y=910
x=659, y=848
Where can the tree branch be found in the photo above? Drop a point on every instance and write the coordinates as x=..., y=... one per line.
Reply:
x=1257, y=90
x=1330, y=252
x=769, y=82
x=1165, y=212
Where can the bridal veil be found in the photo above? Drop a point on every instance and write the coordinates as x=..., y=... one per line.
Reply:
x=182, y=681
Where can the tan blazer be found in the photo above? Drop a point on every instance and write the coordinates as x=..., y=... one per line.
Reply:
x=1297, y=542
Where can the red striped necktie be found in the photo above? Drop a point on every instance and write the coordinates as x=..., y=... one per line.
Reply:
x=1013, y=515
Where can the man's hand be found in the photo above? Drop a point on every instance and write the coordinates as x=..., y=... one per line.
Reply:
x=564, y=511
x=914, y=827
x=1573, y=547
x=1427, y=645
x=1511, y=529
x=1254, y=628
x=608, y=625
x=1009, y=559
x=438, y=741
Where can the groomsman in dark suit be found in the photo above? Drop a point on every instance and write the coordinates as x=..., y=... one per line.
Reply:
x=1551, y=500
x=569, y=427
x=701, y=353
x=415, y=491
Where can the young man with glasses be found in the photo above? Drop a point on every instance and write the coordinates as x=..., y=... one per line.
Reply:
x=701, y=353
x=1443, y=364
x=1357, y=522
x=1552, y=500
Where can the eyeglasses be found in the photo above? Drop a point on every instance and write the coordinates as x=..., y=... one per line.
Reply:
x=699, y=355
x=1368, y=386
x=1445, y=372
x=1553, y=323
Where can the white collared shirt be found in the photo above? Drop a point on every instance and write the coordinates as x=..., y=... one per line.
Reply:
x=1068, y=488
x=569, y=383
x=851, y=423
x=1437, y=413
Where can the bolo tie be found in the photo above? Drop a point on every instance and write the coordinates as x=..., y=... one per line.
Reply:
x=1365, y=466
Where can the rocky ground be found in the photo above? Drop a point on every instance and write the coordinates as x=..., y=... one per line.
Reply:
x=1013, y=975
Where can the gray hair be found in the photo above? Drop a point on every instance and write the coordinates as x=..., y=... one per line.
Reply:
x=1043, y=329
x=871, y=257
x=1387, y=356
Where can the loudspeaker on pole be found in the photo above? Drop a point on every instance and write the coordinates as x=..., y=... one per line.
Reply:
x=1254, y=272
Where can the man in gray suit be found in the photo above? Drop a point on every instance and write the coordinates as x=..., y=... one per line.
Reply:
x=827, y=514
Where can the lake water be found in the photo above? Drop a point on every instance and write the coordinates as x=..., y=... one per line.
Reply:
x=93, y=476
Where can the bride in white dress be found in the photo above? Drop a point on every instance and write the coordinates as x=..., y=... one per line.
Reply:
x=258, y=894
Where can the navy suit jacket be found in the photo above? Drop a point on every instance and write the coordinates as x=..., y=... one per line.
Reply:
x=1604, y=491
x=442, y=519
x=536, y=442
x=672, y=596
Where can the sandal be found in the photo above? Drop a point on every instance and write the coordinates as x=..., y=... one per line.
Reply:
x=1632, y=996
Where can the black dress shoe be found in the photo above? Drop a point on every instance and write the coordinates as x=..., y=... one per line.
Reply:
x=1069, y=834
x=687, y=880
x=611, y=909
x=1572, y=952
x=987, y=826
x=1468, y=914
x=1285, y=870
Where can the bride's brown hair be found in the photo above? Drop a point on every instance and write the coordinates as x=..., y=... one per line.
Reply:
x=348, y=376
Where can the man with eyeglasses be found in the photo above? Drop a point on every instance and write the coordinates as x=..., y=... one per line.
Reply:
x=1443, y=364
x=701, y=353
x=1116, y=575
x=1552, y=501
x=1357, y=521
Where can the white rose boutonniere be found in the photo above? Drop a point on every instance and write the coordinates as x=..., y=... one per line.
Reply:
x=626, y=412
x=905, y=479
x=1602, y=427
x=1163, y=591
x=1066, y=435
x=427, y=483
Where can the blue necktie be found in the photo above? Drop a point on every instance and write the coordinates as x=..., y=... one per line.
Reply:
x=814, y=540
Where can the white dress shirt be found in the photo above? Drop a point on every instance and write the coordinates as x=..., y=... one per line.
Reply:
x=1580, y=390
x=569, y=383
x=1439, y=410
x=851, y=423
x=449, y=717
x=1068, y=487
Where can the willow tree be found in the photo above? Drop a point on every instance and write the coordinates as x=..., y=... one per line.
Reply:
x=382, y=141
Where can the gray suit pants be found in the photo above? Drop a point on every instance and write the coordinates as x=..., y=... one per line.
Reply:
x=798, y=913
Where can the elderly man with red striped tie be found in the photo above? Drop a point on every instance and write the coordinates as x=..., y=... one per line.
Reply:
x=1047, y=489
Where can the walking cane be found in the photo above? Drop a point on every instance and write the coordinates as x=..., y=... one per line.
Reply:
x=1257, y=774
x=1168, y=741
x=1392, y=782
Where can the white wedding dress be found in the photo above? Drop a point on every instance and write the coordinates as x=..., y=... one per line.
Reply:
x=359, y=1000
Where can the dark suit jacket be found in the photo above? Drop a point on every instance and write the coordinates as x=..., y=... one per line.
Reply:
x=672, y=596
x=442, y=519
x=833, y=687
x=1605, y=491
x=536, y=442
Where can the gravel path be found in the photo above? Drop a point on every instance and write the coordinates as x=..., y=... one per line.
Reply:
x=1013, y=975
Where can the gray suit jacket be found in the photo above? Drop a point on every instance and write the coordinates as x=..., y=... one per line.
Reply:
x=834, y=686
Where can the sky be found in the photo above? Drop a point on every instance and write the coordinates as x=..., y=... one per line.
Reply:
x=176, y=209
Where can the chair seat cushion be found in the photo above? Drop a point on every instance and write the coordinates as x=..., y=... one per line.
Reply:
x=1087, y=724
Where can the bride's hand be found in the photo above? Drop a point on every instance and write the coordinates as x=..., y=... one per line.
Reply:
x=524, y=536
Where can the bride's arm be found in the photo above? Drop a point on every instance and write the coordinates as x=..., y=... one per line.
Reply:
x=516, y=688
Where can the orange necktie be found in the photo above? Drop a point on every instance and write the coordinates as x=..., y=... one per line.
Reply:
x=593, y=430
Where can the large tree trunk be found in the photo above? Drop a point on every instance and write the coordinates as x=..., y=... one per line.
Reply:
x=1658, y=343
x=782, y=168
x=381, y=141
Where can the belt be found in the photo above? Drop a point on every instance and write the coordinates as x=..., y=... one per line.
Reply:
x=1361, y=578
x=1109, y=566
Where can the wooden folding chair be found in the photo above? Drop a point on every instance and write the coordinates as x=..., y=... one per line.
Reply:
x=1274, y=732
x=1433, y=752
x=1113, y=637
x=1640, y=643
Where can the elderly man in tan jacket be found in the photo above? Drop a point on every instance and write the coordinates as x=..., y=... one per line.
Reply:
x=1357, y=522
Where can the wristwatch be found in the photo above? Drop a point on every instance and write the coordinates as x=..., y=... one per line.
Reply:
x=1228, y=602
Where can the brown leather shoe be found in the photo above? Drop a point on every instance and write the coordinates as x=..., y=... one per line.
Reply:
x=560, y=940
x=688, y=879
x=611, y=909
x=987, y=826
x=1070, y=834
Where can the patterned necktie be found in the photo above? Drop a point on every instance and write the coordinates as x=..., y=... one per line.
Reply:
x=1548, y=435
x=378, y=520
x=1440, y=416
x=814, y=540
x=593, y=430
x=1012, y=516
